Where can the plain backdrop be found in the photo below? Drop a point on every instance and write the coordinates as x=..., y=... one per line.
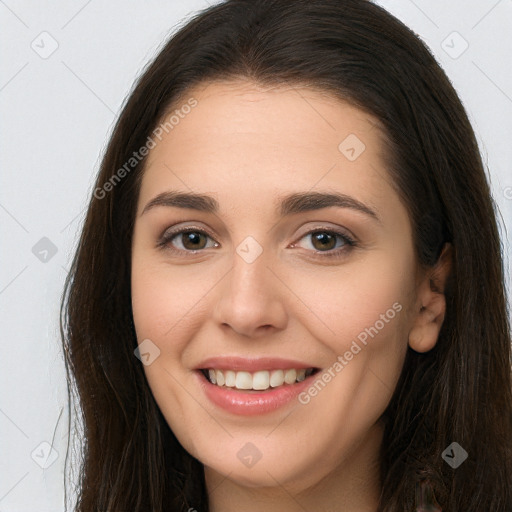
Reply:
x=66, y=69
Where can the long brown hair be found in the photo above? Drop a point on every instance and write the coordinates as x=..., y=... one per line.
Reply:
x=460, y=391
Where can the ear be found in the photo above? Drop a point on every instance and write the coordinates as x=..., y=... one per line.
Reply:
x=431, y=309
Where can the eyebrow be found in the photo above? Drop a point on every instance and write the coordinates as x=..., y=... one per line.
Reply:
x=287, y=205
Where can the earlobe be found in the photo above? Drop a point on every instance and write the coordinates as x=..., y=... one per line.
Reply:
x=423, y=336
x=430, y=316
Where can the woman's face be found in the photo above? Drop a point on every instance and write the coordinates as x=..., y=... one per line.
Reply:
x=302, y=259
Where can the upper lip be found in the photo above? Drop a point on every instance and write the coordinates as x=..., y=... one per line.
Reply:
x=251, y=365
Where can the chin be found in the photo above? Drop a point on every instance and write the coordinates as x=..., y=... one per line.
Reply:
x=268, y=471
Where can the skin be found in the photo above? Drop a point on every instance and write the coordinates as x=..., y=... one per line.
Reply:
x=247, y=146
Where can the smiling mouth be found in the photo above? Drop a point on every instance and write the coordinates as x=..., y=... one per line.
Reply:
x=256, y=381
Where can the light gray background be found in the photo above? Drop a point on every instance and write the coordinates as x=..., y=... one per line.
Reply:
x=57, y=113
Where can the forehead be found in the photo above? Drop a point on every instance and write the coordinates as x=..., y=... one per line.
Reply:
x=285, y=111
x=267, y=140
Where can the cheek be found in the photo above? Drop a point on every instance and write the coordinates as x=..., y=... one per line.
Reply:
x=360, y=315
x=364, y=324
x=164, y=300
x=166, y=305
x=365, y=301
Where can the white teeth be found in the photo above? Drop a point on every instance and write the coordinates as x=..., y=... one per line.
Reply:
x=260, y=380
x=277, y=378
x=230, y=378
x=219, y=378
x=290, y=376
x=243, y=380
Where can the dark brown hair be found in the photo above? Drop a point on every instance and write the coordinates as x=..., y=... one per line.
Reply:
x=460, y=391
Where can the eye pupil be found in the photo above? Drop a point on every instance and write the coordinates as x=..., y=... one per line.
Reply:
x=325, y=240
x=193, y=238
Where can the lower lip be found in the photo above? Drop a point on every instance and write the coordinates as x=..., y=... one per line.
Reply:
x=251, y=403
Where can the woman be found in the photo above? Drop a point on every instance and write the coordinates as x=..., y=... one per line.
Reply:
x=288, y=293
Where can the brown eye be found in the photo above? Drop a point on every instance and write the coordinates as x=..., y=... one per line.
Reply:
x=186, y=240
x=323, y=240
x=326, y=243
x=193, y=240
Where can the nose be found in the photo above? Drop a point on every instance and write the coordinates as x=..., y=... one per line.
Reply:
x=251, y=299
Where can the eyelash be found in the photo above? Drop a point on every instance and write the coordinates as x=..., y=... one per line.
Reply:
x=166, y=239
